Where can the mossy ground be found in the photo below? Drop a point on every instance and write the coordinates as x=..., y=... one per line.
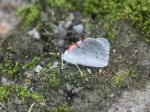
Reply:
x=21, y=54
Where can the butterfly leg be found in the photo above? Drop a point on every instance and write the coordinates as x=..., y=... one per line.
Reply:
x=78, y=68
x=77, y=65
x=62, y=64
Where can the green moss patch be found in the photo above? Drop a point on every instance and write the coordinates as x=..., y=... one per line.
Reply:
x=107, y=12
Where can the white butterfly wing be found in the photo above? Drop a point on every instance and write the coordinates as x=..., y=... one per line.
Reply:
x=96, y=55
x=89, y=52
x=105, y=43
x=69, y=54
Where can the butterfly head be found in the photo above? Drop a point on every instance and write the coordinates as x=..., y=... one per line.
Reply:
x=66, y=57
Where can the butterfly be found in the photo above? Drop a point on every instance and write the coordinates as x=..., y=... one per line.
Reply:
x=88, y=52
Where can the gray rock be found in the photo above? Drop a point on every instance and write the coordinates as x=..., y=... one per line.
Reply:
x=68, y=24
x=4, y=81
x=132, y=101
x=17, y=101
x=38, y=69
x=55, y=63
x=89, y=71
x=34, y=33
x=78, y=29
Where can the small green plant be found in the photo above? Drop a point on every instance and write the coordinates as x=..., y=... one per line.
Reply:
x=54, y=80
x=36, y=96
x=130, y=73
x=21, y=92
x=118, y=79
x=10, y=65
x=14, y=67
x=111, y=32
x=121, y=78
x=31, y=15
x=62, y=108
x=4, y=93
x=31, y=64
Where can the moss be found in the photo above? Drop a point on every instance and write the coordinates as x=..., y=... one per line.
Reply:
x=62, y=108
x=20, y=91
x=31, y=64
x=56, y=55
x=123, y=79
x=5, y=91
x=53, y=80
x=36, y=96
x=138, y=12
x=107, y=12
x=13, y=66
x=111, y=32
x=133, y=36
x=31, y=15
x=118, y=79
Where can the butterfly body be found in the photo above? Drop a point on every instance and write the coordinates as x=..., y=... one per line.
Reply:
x=88, y=52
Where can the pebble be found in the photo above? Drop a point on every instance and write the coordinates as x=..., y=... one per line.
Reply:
x=4, y=81
x=34, y=33
x=38, y=69
x=31, y=89
x=61, y=42
x=128, y=109
x=55, y=63
x=145, y=62
x=59, y=29
x=17, y=101
x=114, y=50
x=68, y=24
x=89, y=70
x=42, y=104
x=25, y=84
x=78, y=29
x=112, y=95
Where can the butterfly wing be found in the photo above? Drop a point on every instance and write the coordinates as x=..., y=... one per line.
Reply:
x=89, y=52
x=69, y=54
x=96, y=54
x=105, y=43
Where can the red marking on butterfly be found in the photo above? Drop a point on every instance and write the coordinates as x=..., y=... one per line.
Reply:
x=75, y=44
